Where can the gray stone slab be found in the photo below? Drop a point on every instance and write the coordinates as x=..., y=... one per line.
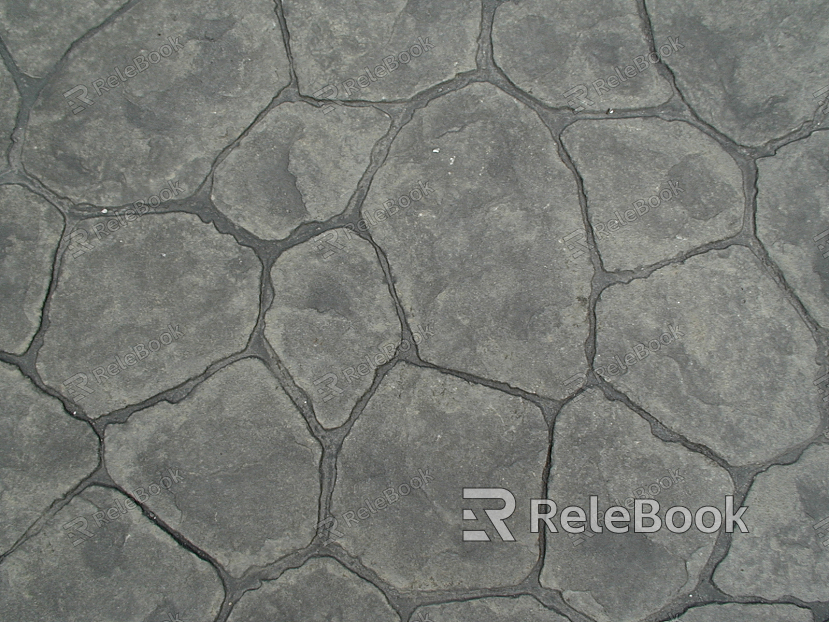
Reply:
x=44, y=453
x=747, y=613
x=127, y=571
x=38, y=32
x=321, y=591
x=792, y=211
x=523, y=608
x=30, y=230
x=9, y=103
x=333, y=322
x=294, y=166
x=337, y=46
x=422, y=424
x=749, y=69
x=603, y=449
x=785, y=553
x=249, y=466
x=171, y=119
x=654, y=188
x=481, y=256
x=153, y=276
x=738, y=380
x=549, y=49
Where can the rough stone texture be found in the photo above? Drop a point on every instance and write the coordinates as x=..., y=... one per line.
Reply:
x=296, y=596
x=246, y=458
x=466, y=435
x=747, y=613
x=154, y=272
x=548, y=48
x=9, y=103
x=334, y=42
x=494, y=609
x=28, y=27
x=43, y=454
x=740, y=378
x=751, y=70
x=293, y=167
x=500, y=198
x=169, y=121
x=601, y=448
x=330, y=313
x=787, y=503
x=127, y=570
x=30, y=230
x=476, y=175
x=793, y=210
x=698, y=188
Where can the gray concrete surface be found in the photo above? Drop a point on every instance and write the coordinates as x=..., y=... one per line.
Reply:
x=414, y=311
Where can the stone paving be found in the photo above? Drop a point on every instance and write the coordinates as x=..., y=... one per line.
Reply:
x=414, y=311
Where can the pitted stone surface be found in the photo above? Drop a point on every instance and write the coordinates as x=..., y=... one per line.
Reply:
x=9, y=103
x=157, y=272
x=550, y=48
x=603, y=449
x=333, y=322
x=751, y=70
x=747, y=613
x=246, y=457
x=43, y=454
x=30, y=230
x=296, y=595
x=654, y=189
x=29, y=29
x=167, y=122
x=793, y=210
x=465, y=435
x=335, y=43
x=284, y=466
x=499, y=202
x=127, y=570
x=740, y=378
x=788, y=503
x=524, y=608
x=293, y=167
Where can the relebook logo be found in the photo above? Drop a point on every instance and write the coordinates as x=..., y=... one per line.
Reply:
x=677, y=519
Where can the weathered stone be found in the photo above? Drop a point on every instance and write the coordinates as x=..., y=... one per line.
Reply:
x=481, y=255
x=337, y=46
x=170, y=120
x=128, y=570
x=332, y=322
x=249, y=466
x=157, y=275
x=296, y=595
x=523, y=608
x=785, y=552
x=9, y=103
x=739, y=377
x=601, y=448
x=297, y=164
x=793, y=210
x=38, y=32
x=751, y=70
x=30, y=230
x=463, y=435
x=654, y=188
x=747, y=613
x=43, y=454
x=551, y=48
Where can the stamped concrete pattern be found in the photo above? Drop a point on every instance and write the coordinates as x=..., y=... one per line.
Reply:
x=422, y=311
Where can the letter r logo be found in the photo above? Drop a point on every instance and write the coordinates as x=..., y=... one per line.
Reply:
x=496, y=517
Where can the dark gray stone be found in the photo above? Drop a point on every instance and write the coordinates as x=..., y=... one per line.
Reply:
x=249, y=466
x=30, y=230
x=128, y=289
x=524, y=608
